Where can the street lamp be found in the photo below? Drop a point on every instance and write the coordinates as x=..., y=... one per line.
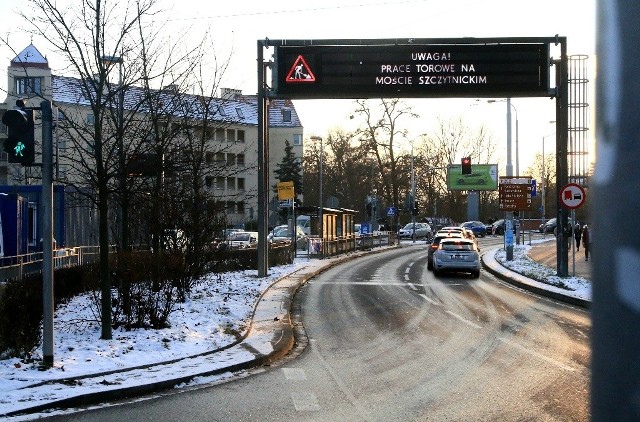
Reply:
x=413, y=198
x=124, y=217
x=509, y=107
x=321, y=234
x=508, y=232
x=544, y=182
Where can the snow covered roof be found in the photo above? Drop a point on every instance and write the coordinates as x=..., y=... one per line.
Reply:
x=30, y=57
x=238, y=109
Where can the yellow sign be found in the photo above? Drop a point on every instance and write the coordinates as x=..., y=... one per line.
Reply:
x=285, y=191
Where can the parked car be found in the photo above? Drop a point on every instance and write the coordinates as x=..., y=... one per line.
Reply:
x=477, y=227
x=423, y=231
x=549, y=226
x=497, y=228
x=457, y=255
x=282, y=234
x=435, y=243
x=242, y=239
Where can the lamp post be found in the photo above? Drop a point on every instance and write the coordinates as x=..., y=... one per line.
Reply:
x=509, y=107
x=508, y=232
x=321, y=222
x=413, y=199
x=124, y=206
x=544, y=183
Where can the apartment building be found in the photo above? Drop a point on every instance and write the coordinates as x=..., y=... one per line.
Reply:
x=232, y=130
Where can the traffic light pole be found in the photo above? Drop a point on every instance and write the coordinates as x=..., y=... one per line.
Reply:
x=47, y=233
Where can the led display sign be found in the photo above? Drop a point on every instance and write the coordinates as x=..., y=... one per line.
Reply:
x=427, y=70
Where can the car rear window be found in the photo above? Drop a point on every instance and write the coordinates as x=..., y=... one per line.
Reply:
x=455, y=246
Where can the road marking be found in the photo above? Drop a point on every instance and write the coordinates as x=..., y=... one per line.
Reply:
x=294, y=374
x=305, y=402
x=428, y=299
x=536, y=354
x=461, y=319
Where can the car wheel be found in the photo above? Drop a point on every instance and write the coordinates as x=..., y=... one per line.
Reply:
x=476, y=274
x=436, y=273
x=429, y=266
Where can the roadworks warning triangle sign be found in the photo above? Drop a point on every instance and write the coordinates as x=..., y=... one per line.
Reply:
x=300, y=72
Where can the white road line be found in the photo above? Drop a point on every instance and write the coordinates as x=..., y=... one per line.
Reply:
x=428, y=299
x=536, y=354
x=461, y=319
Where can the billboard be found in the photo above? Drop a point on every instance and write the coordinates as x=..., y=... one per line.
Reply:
x=482, y=177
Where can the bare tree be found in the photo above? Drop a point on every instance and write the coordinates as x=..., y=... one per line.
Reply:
x=125, y=121
x=451, y=140
x=380, y=134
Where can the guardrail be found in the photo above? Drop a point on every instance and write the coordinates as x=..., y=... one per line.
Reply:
x=15, y=267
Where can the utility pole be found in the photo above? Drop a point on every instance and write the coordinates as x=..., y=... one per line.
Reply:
x=47, y=233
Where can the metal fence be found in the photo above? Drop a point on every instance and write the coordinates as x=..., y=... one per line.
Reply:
x=14, y=267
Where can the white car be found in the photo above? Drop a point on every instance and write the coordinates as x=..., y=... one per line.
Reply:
x=241, y=240
x=457, y=255
x=422, y=230
x=281, y=234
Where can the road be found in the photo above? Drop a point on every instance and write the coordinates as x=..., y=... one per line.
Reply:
x=387, y=341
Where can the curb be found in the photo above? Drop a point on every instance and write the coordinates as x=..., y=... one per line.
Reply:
x=518, y=280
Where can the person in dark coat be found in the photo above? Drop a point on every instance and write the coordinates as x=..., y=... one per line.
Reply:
x=577, y=233
x=586, y=241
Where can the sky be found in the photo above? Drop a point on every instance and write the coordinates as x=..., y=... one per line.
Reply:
x=236, y=27
x=197, y=326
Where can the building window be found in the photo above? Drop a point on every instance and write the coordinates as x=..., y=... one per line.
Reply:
x=297, y=139
x=209, y=157
x=221, y=111
x=241, y=183
x=61, y=116
x=91, y=119
x=241, y=207
x=219, y=183
x=231, y=183
x=220, y=157
x=240, y=160
x=286, y=115
x=240, y=134
x=231, y=159
x=240, y=113
x=231, y=135
x=28, y=86
x=208, y=181
x=220, y=134
x=230, y=207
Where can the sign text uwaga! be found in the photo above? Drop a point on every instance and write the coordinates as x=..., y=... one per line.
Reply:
x=432, y=68
x=444, y=70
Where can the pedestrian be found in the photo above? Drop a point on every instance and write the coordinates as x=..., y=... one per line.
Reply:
x=577, y=233
x=586, y=241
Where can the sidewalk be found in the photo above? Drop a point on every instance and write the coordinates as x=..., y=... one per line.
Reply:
x=545, y=253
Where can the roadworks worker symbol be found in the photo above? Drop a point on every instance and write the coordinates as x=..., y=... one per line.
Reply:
x=300, y=72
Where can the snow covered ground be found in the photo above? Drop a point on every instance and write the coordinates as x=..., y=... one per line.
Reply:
x=221, y=305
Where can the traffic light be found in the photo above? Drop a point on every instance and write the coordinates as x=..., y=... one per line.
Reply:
x=20, y=142
x=466, y=165
x=415, y=208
